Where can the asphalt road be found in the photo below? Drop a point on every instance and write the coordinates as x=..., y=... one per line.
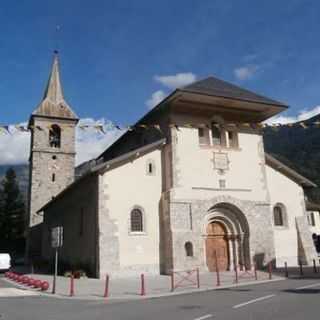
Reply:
x=288, y=299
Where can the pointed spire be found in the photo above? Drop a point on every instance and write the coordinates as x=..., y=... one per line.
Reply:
x=53, y=103
x=53, y=90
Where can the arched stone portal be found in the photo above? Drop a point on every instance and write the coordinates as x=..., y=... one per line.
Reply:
x=226, y=238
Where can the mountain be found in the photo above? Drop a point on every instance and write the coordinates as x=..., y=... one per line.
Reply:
x=294, y=145
x=298, y=146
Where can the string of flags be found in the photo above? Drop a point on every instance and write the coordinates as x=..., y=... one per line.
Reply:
x=104, y=128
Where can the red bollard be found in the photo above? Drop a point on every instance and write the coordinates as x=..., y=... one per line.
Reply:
x=44, y=285
x=37, y=283
x=217, y=269
x=71, y=286
x=198, y=278
x=286, y=273
x=270, y=270
x=300, y=267
x=236, y=273
x=172, y=281
x=106, y=289
x=143, y=289
x=31, y=282
x=255, y=271
x=314, y=266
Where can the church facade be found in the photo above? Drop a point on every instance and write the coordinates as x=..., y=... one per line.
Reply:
x=191, y=186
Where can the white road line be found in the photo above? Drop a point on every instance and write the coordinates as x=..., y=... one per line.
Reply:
x=309, y=286
x=252, y=301
x=13, y=292
x=207, y=316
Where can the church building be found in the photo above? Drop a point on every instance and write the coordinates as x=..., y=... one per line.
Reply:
x=190, y=186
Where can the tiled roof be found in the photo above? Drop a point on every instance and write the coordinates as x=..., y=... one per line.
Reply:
x=215, y=87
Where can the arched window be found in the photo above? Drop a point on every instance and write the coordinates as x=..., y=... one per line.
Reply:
x=136, y=220
x=55, y=136
x=279, y=215
x=189, y=249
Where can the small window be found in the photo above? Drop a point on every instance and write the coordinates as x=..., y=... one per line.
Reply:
x=136, y=220
x=55, y=136
x=218, y=135
x=54, y=157
x=278, y=215
x=150, y=168
x=222, y=184
x=53, y=178
x=189, y=249
x=312, y=220
x=233, y=139
x=203, y=134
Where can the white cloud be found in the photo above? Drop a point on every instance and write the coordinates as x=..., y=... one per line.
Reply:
x=176, y=81
x=302, y=115
x=156, y=98
x=15, y=147
x=245, y=72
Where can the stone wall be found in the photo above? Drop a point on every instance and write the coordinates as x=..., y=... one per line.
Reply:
x=76, y=212
x=51, y=169
x=189, y=219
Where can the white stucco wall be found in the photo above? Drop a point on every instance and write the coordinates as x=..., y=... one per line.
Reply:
x=316, y=227
x=244, y=179
x=128, y=186
x=285, y=191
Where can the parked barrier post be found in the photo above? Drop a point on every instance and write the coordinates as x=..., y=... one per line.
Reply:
x=217, y=268
x=198, y=278
x=236, y=274
x=143, y=289
x=172, y=281
x=106, y=289
x=72, y=285
x=270, y=270
x=286, y=270
x=314, y=266
x=300, y=265
x=255, y=271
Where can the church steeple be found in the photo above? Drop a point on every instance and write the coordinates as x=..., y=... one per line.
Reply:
x=53, y=103
x=53, y=90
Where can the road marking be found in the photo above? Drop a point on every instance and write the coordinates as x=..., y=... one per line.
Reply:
x=206, y=316
x=252, y=301
x=13, y=292
x=309, y=286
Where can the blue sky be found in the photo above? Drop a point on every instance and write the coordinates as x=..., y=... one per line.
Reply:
x=116, y=54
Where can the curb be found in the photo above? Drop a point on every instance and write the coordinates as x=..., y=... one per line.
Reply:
x=150, y=296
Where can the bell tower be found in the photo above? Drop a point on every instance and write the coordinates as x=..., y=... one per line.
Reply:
x=52, y=152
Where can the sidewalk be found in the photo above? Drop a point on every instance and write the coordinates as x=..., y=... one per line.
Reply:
x=155, y=286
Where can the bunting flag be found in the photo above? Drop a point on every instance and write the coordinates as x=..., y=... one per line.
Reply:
x=104, y=128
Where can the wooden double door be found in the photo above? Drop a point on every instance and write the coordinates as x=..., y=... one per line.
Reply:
x=217, y=247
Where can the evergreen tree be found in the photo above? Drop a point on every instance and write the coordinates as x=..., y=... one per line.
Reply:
x=12, y=213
